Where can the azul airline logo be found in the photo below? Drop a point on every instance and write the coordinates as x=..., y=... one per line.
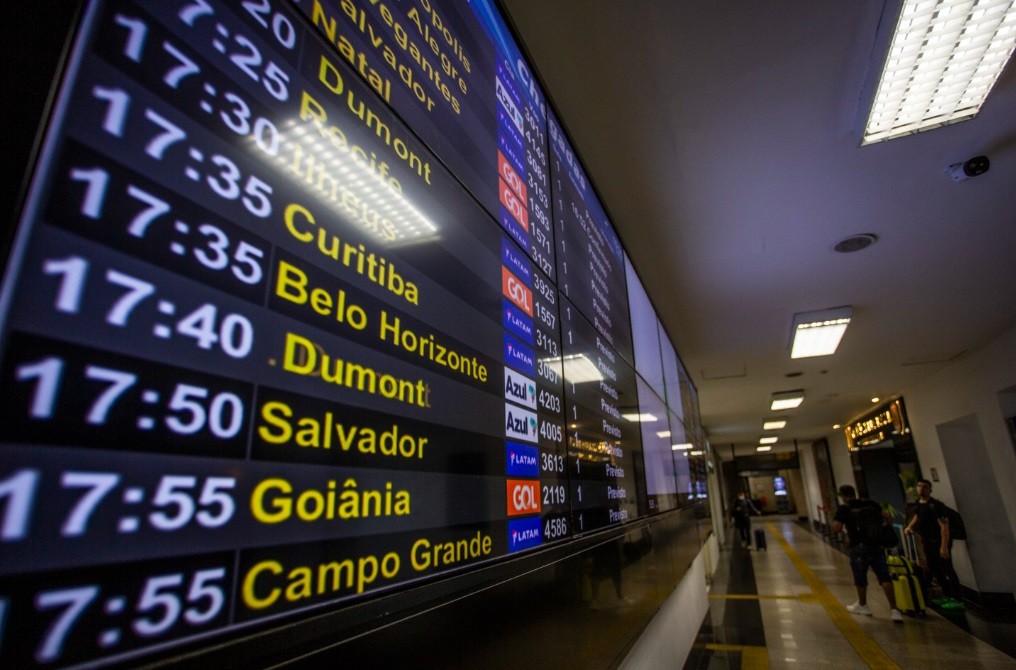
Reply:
x=523, y=533
x=520, y=424
x=516, y=322
x=519, y=356
x=522, y=460
x=516, y=262
x=519, y=388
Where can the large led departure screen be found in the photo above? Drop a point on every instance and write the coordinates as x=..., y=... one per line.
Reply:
x=306, y=301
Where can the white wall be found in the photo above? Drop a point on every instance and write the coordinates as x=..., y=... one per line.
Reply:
x=971, y=386
x=809, y=474
x=668, y=638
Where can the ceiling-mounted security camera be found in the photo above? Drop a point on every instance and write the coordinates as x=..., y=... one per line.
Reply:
x=968, y=168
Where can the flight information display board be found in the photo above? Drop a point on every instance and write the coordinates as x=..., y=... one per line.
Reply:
x=285, y=323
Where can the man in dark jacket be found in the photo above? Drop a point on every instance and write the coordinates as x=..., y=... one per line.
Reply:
x=741, y=512
x=865, y=552
x=932, y=523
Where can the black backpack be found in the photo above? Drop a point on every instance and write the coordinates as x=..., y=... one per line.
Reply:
x=873, y=531
x=957, y=529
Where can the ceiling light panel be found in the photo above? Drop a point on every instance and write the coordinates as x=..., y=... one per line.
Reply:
x=774, y=425
x=819, y=333
x=944, y=58
x=787, y=400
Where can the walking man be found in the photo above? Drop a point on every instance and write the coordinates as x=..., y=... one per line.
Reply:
x=865, y=550
x=932, y=523
x=740, y=515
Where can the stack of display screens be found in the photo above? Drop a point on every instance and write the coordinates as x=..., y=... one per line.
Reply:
x=306, y=302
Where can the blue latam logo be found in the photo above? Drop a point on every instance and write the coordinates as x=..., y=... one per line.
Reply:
x=523, y=533
x=516, y=262
x=522, y=460
x=519, y=356
x=516, y=322
x=513, y=227
x=509, y=146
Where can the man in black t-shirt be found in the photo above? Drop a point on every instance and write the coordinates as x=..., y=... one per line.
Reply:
x=864, y=554
x=932, y=523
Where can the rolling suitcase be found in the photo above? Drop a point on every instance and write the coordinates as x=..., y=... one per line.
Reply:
x=906, y=584
x=760, y=539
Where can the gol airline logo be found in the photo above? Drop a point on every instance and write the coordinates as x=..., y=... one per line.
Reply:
x=523, y=497
x=513, y=289
x=510, y=176
x=515, y=207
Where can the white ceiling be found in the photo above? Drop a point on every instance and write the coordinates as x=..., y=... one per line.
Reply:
x=721, y=139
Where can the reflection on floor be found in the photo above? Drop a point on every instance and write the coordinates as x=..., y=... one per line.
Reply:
x=785, y=608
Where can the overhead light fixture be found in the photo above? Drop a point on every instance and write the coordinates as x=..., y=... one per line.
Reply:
x=684, y=446
x=818, y=333
x=663, y=433
x=942, y=60
x=765, y=448
x=836, y=426
x=696, y=453
x=772, y=439
x=578, y=369
x=875, y=399
x=643, y=417
x=787, y=400
x=774, y=425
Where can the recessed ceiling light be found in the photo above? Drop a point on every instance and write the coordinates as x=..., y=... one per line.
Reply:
x=818, y=333
x=772, y=439
x=836, y=426
x=765, y=448
x=774, y=425
x=663, y=433
x=787, y=400
x=943, y=59
x=875, y=399
x=684, y=446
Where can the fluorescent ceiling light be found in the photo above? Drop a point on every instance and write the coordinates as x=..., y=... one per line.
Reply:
x=768, y=440
x=787, y=400
x=663, y=433
x=818, y=333
x=943, y=60
x=684, y=446
x=774, y=425
x=578, y=369
x=643, y=417
x=696, y=453
x=766, y=448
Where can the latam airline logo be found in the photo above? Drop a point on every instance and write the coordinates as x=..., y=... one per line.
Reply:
x=519, y=388
x=523, y=496
x=509, y=142
x=519, y=356
x=513, y=228
x=520, y=424
x=516, y=322
x=521, y=460
x=516, y=291
x=516, y=262
x=523, y=533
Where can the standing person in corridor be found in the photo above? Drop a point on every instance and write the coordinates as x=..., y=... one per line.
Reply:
x=865, y=550
x=740, y=515
x=931, y=521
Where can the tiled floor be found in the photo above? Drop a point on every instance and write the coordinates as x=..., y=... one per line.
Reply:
x=785, y=608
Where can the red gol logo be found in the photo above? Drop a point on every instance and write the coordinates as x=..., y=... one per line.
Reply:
x=523, y=497
x=512, y=203
x=516, y=291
